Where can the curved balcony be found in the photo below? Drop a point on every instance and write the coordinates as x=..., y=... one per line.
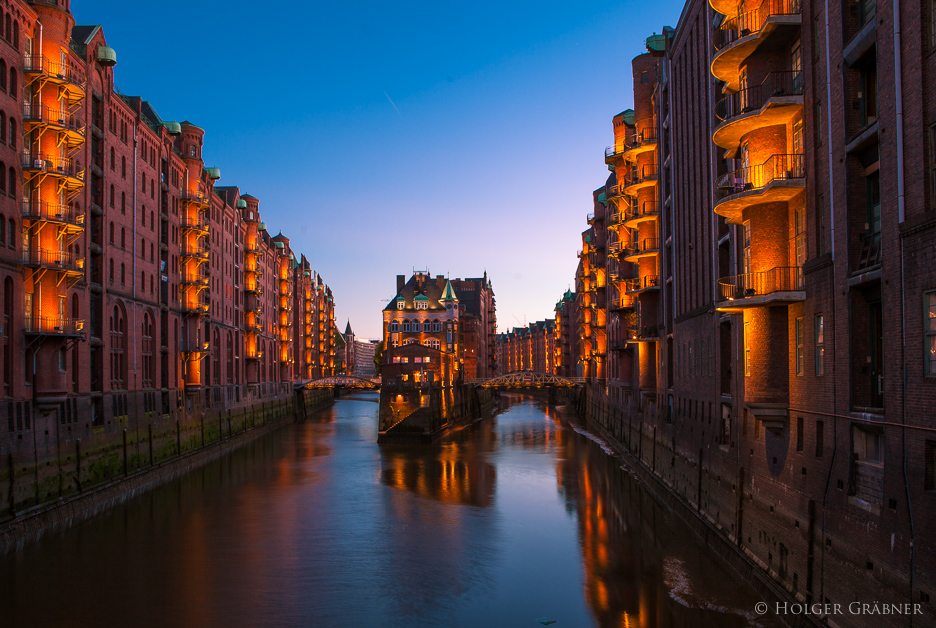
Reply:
x=739, y=36
x=69, y=124
x=780, y=178
x=195, y=198
x=783, y=284
x=66, y=170
x=615, y=218
x=254, y=326
x=615, y=192
x=775, y=101
x=647, y=247
x=196, y=252
x=68, y=217
x=641, y=142
x=648, y=210
x=63, y=327
x=643, y=333
x=647, y=176
x=252, y=249
x=642, y=284
x=51, y=259
x=254, y=289
x=199, y=281
x=725, y=7
x=198, y=308
x=71, y=80
x=197, y=225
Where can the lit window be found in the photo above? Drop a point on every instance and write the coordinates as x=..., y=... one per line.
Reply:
x=747, y=349
x=436, y=326
x=929, y=322
x=799, y=346
x=426, y=326
x=820, y=345
x=400, y=304
x=394, y=326
x=406, y=326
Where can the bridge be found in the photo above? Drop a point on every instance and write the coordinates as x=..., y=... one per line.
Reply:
x=343, y=381
x=528, y=379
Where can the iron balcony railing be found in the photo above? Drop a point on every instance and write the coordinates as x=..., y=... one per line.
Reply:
x=53, y=165
x=38, y=64
x=199, y=307
x=40, y=210
x=39, y=113
x=747, y=285
x=649, y=171
x=189, y=196
x=647, y=245
x=647, y=208
x=53, y=259
x=198, y=224
x=195, y=280
x=750, y=22
x=195, y=251
x=776, y=168
x=54, y=326
x=775, y=85
x=642, y=283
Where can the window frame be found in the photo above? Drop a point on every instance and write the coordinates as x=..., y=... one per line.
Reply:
x=819, y=344
x=929, y=334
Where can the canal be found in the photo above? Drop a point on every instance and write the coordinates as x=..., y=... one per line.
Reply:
x=517, y=517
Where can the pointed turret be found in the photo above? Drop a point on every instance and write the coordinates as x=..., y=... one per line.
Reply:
x=347, y=331
x=449, y=293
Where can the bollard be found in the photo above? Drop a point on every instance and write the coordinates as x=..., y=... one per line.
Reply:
x=125, y=452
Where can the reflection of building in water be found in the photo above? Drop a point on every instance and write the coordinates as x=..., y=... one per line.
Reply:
x=624, y=550
x=454, y=474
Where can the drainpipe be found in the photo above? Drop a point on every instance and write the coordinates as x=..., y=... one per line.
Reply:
x=136, y=151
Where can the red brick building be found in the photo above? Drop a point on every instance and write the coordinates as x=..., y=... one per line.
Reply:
x=530, y=348
x=768, y=329
x=135, y=288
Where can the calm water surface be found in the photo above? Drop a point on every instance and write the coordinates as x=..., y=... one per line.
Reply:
x=517, y=517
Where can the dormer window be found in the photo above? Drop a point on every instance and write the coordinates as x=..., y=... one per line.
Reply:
x=400, y=304
x=422, y=305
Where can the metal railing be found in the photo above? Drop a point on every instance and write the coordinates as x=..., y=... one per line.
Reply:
x=38, y=64
x=40, y=210
x=189, y=196
x=647, y=208
x=642, y=283
x=53, y=165
x=195, y=280
x=200, y=224
x=750, y=22
x=647, y=245
x=747, y=285
x=775, y=85
x=50, y=258
x=37, y=112
x=195, y=251
x=776, y=168
x=52, y=326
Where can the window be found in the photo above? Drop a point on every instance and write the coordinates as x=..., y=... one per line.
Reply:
x=400, y=304
x=436, y=326
x=746, y=249
x=929, y=327
x=11, y=231
x=747, y=349
x=796, y=67
x=820, y=345
x=422, y=305
x=11, y=188
x=3, y=72
x=800, y=437
x=406, y=326
x=12, y=85
x=394, y=326
x=799, y=346
x=123, y=238
x=123, y=167
x=112, y=195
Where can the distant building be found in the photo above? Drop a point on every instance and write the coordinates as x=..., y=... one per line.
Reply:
x=476, y=296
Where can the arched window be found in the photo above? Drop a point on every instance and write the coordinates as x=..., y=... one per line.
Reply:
x=123, y=203
x=111, y=233
x=123, y=167
x=406, y=326
x=152, y=290
x=3, y=74
x=11, y=188
x=123, y=238
x=2, y=230
x=123, y=274
x=8, y=27
x=118, y=338
x=427, y=326
x=394, y=326
x=436, y=326
x=142, y=280
x=13, y=82
x=230, y=358
x=112, y=195
x=113, y=160
x=11, y=232
x=12, y=131
x=111, y=275
x=16, y=35
x=148, y=362
x=7, y=338
x=3, y=127
x=2, y=178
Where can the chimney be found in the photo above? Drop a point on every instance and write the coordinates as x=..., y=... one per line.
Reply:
x=400, y=282
x=440, y=281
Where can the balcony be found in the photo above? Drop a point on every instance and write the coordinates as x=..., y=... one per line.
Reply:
x=644, y=248
x=53, y=212
x=647, y=176
x=39, y=164
x=195, y=198
x=71, y=125
x=71, y=79
x=775, y=101
x=197, y=252
x=780, y=178
x=615, y=192
x=254, y=326
x=642, y=284
x=633, y=216
x=643, y=333
x=776, y=286
x=193, y=349
x=615, y=218
x=195, y=280
x=199, y=308
x=50, y=259
x=252, y=248
x=254, y=289
x=63, y=327
x=725, y=7
x=741, y=35
x=197, y=225
x=641, y=143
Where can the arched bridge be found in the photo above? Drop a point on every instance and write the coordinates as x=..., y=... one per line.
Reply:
x=344, y=381
x=529, y=379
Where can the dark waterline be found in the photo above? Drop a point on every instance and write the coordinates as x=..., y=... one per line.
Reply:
x=517, y=517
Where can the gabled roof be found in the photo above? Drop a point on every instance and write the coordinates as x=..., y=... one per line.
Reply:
x=449, y=294
x=423, y=288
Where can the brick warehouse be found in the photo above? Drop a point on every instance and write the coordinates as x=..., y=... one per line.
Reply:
x=137, y=292
x=755, y=299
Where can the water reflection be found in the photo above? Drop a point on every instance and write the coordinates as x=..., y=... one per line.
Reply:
x=510, y=519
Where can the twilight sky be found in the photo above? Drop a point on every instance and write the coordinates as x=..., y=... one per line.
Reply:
x=386, y=136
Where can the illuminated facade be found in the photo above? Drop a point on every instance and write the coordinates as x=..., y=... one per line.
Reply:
x=770, y=288
x=530, y=348
x=135, y=288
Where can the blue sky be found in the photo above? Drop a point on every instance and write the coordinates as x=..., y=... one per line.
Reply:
x=383, y=137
